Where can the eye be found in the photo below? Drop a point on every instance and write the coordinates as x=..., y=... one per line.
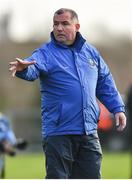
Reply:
x=66, y=23
x=55, y=23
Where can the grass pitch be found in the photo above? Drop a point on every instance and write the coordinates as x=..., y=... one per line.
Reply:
x=31, y=166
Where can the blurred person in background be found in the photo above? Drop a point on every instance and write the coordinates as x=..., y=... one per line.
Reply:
x=7, y=136
x=72, y=74
x=8, y=142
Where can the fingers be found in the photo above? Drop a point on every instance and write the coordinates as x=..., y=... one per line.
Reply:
x=13, y=63
x=13, y=73
x=118, y=126
x=12, y=69
x=120, y=121
x=117, y=122
x=20, y=61
x=121, y=127
x=19, y=65
x=25, y=62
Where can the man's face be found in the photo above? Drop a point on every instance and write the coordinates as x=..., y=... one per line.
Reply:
x=65, y=28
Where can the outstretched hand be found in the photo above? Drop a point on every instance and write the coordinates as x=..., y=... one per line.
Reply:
x=19, y=65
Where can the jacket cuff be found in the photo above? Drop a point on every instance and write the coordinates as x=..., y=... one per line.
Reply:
x=118, y=109
x=21, y=73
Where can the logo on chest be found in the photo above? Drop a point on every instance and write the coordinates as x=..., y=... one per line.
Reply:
x=91, y=62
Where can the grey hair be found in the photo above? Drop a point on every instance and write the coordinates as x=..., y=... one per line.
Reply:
x=63, y=10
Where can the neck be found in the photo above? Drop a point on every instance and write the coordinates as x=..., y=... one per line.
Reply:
x=68, y=43
x=76, y=44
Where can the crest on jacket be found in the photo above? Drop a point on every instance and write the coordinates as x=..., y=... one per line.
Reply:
x=91, y=62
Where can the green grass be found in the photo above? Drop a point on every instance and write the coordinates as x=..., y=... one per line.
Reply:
x=116, y=166
x=25, y=166
x=30, y=166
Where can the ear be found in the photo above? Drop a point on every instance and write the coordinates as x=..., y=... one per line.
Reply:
x=77, y=27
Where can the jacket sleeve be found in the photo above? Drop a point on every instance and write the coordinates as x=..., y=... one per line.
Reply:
x=106, y=90
x=34, y=71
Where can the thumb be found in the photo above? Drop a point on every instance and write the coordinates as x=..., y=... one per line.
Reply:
x=19, y=60
x=25, y=62
x=31, y=62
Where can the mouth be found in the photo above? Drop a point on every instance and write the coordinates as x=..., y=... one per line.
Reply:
x=60, y=35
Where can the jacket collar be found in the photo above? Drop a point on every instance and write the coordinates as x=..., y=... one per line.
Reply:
x=77, y=45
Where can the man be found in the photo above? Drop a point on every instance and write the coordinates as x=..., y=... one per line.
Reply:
x=72, y=74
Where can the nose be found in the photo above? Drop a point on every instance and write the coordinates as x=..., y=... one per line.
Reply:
x=59, y=27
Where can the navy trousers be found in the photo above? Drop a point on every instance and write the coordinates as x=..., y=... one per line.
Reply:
x=73, y=157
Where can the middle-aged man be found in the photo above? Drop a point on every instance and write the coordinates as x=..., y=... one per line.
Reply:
x=72, y=74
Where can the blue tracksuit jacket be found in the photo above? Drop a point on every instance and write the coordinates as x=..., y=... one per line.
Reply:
x=71, y=78
x=6, y=132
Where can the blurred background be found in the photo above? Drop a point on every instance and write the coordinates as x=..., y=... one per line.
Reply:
x=24, y=26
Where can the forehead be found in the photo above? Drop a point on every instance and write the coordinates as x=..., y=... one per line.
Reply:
x=66, y=16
